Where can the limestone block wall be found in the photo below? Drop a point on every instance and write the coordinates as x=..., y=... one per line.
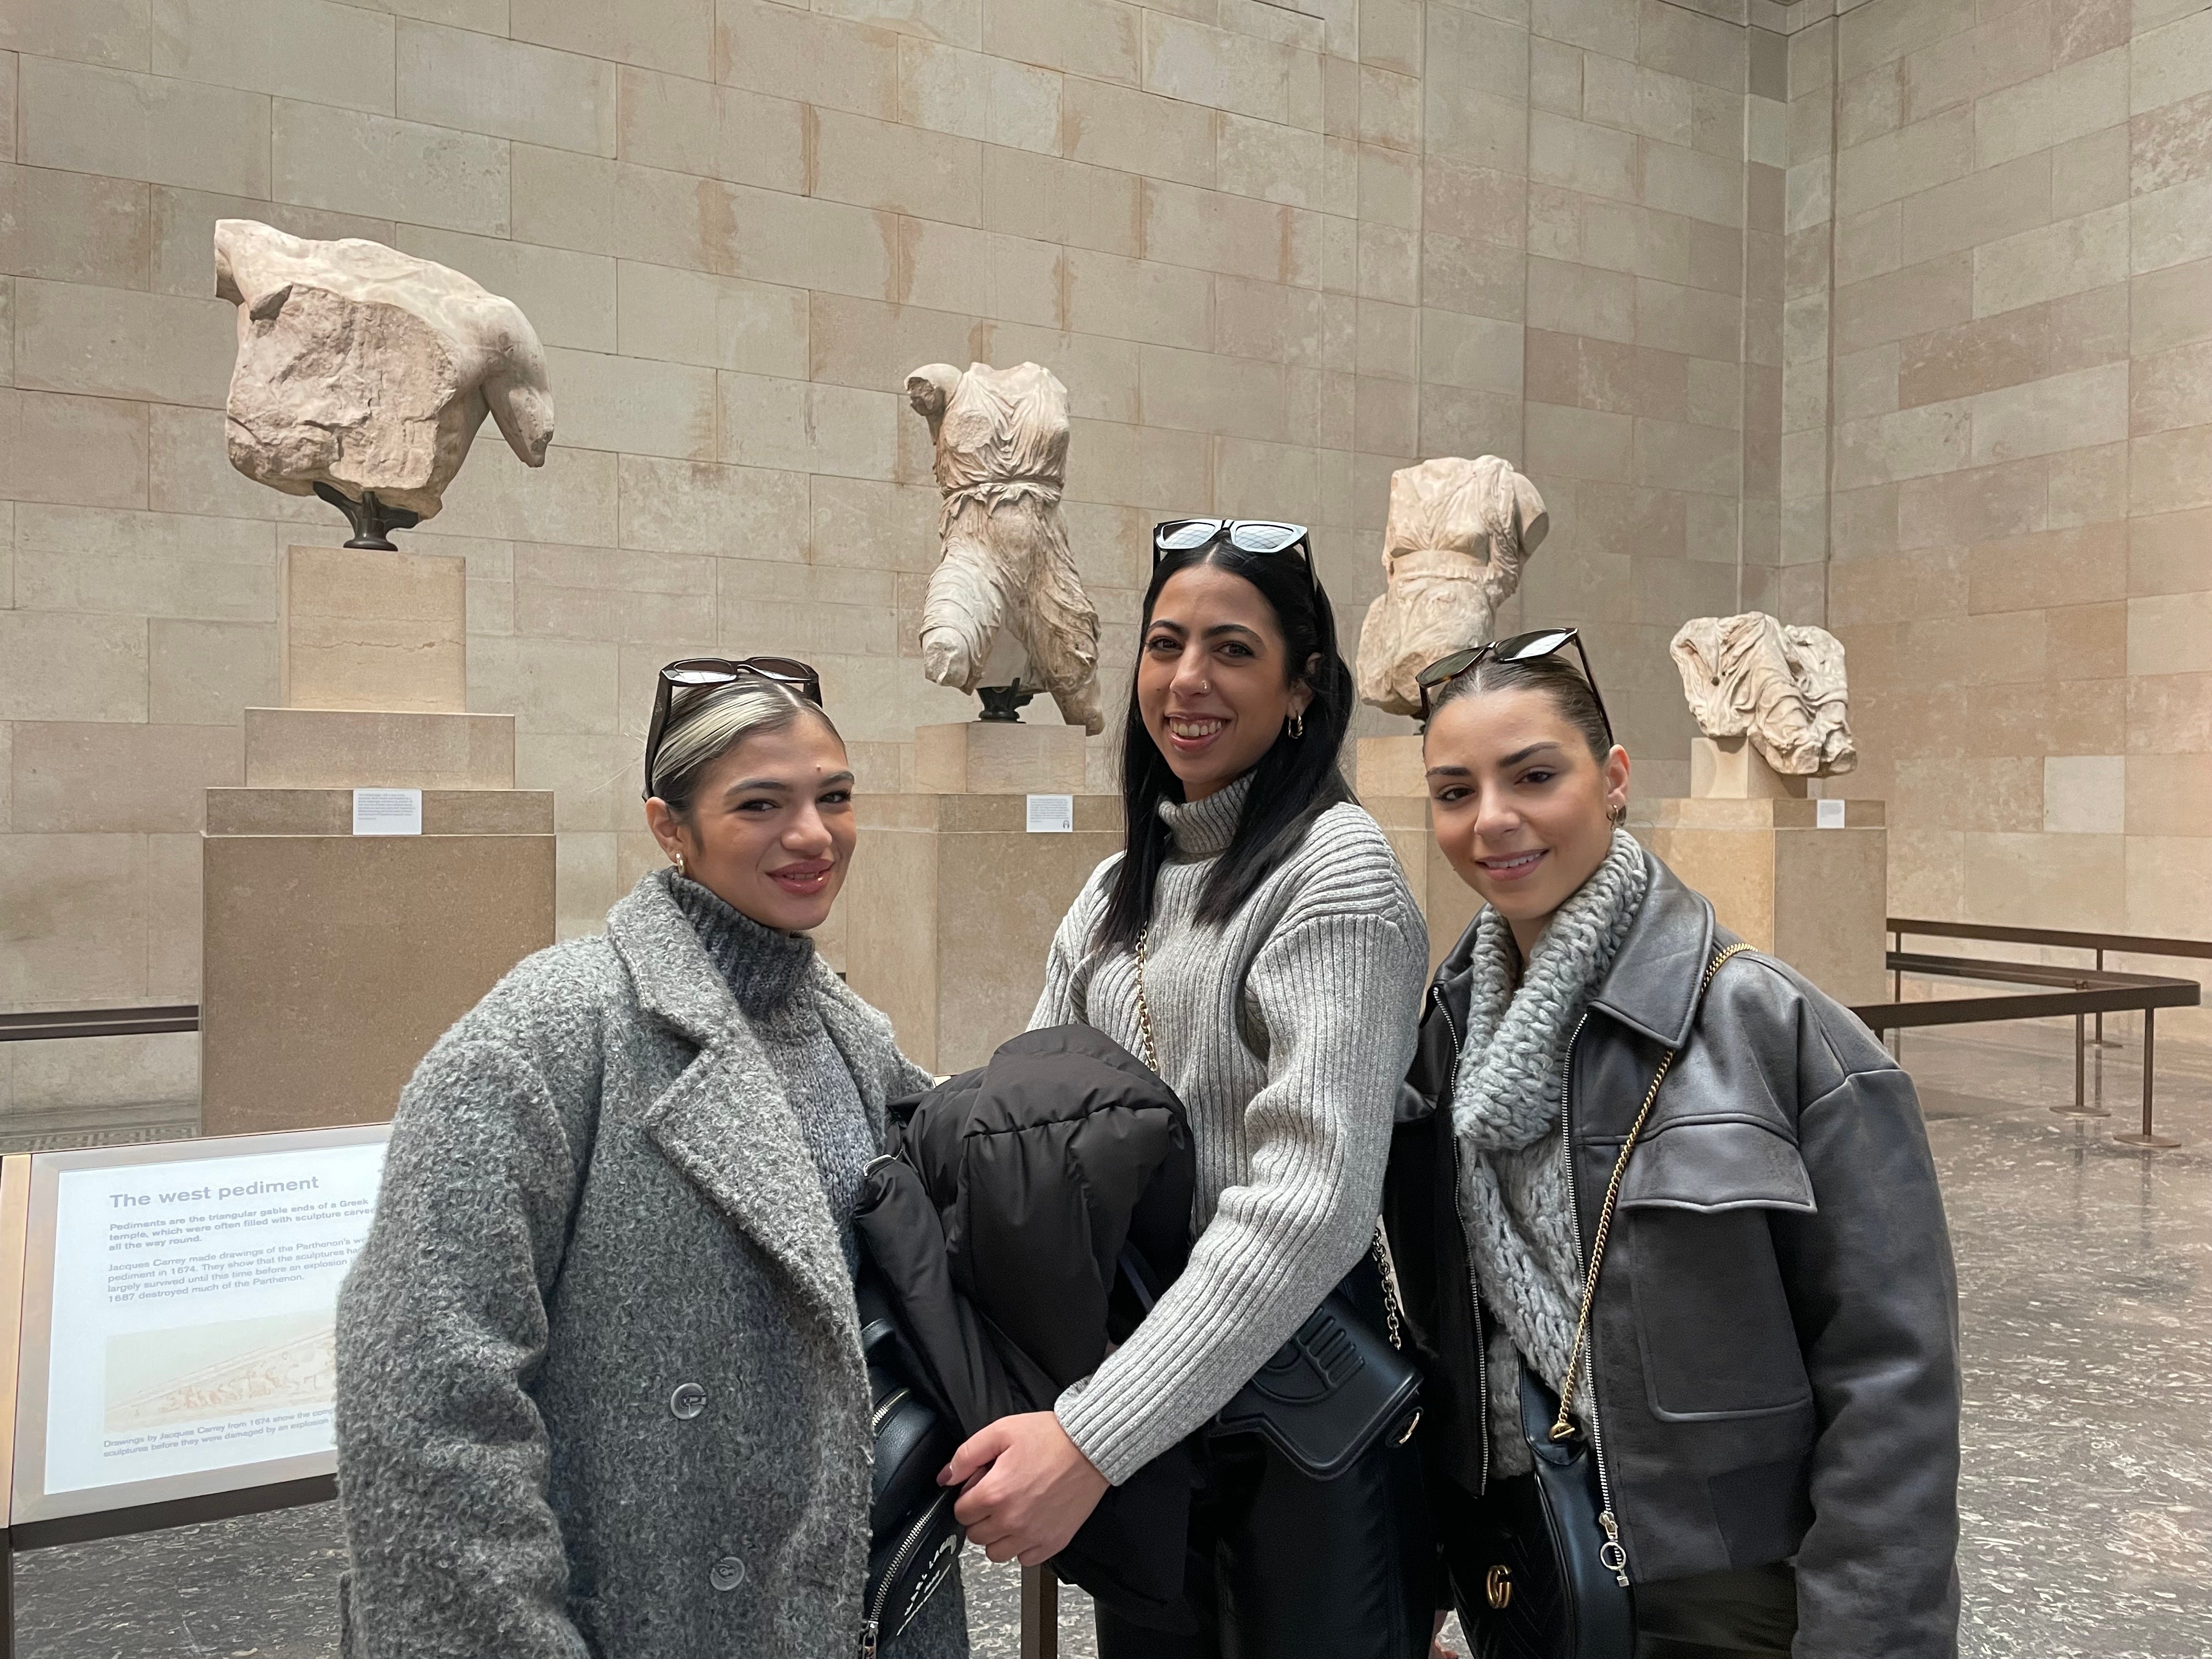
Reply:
x=2017, y=300
x=1274, y=249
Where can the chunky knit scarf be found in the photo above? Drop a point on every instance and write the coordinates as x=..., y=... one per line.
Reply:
x=1515, y=1201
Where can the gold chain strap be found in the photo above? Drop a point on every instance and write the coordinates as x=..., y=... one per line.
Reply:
x=1562, y=1428
x=1379, y=1247
x=1145, y=1008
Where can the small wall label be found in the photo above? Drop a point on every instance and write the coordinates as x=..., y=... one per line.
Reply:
x=1052, y=815
x=387, y=812
x=1828, y=814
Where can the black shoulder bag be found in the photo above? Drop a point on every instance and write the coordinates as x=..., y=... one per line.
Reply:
x=1549, y=1577
x=1337, y=1386
x=912, y=1539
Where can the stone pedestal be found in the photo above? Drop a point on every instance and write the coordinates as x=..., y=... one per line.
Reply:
x=362, y=629
x=1390, y=766
x=1393, y=788
x=998, y=757
x=352, y=748
x=1729, y=769
x=332, y=960
x=1816, y=898
x=950, y=910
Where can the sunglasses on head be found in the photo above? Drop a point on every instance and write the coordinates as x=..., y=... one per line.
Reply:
x=1522, y=647
x=695, y=673
x=1246, y=535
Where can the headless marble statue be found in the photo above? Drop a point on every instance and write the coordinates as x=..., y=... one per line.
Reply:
x=1781, y=686
x=1459, y=534
x=1001, y=440
x=364, y=373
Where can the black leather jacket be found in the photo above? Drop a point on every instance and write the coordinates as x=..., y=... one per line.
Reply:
x=1775, y=1335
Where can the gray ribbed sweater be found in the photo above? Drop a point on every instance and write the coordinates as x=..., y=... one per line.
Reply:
x=1286, y=1031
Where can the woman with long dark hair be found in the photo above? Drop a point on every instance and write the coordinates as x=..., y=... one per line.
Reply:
x=1257, y=941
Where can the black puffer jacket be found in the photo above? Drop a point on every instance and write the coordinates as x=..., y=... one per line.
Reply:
x=997, y=1222
x=1775, y=1338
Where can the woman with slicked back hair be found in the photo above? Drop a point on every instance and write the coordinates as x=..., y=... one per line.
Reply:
x=1673, y=1252
x=1256, y=943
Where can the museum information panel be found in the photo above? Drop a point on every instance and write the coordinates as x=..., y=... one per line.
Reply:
x=179, y=1312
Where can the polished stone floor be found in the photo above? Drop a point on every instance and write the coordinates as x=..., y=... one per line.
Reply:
x=2086, y=1270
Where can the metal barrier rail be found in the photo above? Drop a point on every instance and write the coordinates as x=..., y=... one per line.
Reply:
x=2070, y=939
x=99, y=1021
x=2141, y=945
x=2079, y=992
x=1040, y=1631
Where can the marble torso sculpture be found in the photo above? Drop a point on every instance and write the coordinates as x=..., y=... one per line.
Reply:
x=1001, y=438
x=1459, y=534
x=366, y=371
x=1781, y=686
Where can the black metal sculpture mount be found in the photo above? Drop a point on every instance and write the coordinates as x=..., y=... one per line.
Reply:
x=1002, y=704
x=372, y=521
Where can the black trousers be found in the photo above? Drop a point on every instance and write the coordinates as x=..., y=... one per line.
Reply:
x=1747, y=1614
x=1284, y=1567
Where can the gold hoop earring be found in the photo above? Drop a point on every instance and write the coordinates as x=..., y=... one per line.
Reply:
x=1617, y=815
x=1297, y=726
x=680, y=870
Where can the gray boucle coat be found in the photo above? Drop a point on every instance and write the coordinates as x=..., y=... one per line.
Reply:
x=597, y=1194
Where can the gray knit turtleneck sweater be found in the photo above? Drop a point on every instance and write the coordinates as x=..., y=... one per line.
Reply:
x=1514, y=1199
x=1286, y=1030
x=767, y=971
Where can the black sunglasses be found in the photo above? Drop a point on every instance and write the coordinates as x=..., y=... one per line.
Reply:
x=1246, y=535
x=1522, y=647
x=692, y=672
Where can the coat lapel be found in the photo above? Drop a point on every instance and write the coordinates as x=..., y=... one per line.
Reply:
x=1652, y=986
x=726, y=1122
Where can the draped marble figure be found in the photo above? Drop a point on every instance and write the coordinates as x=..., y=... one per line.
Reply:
x=1001, y=439
x=1780, y=685
x=1460, y=533
x=367, y=372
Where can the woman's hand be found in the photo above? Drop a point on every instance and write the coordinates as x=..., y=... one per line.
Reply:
x=1028, y=1488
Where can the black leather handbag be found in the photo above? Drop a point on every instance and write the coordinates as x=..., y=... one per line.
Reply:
x=1337, y=1387
x=914, y=1541
x=1534, y=1549
x=1332, y=1390
x=1328, y=1394
x=1538, y=1569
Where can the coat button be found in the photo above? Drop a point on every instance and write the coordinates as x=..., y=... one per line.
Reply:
x=688, y=1402
x=726, y=1574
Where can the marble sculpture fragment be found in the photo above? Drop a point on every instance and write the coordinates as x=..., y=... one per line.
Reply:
x=1780, y=685
x=1459, y=534
x=366, y=371
x=1001, y=441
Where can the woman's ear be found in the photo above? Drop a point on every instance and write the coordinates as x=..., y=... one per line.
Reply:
x=1616, y=769
x=1303, y=692
x=666, y=828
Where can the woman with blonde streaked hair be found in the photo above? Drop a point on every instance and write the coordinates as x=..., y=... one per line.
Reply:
x=600, y=1383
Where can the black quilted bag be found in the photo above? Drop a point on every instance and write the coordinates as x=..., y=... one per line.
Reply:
x=914, y=1541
